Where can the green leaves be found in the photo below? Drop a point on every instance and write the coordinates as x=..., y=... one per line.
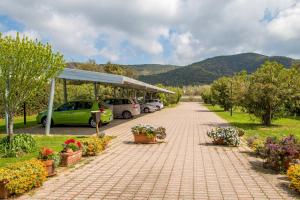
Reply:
x=221, y=92
x=25, y=67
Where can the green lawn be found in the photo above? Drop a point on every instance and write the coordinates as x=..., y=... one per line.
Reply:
x=19, y=122
x=53, y=142
x=281, y=127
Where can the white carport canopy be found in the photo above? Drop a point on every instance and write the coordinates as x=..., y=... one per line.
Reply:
x=102, y=78
x=109, y=79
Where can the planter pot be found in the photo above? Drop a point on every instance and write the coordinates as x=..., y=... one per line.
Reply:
x=143, y=139
x=219, y=142
x=49, y=166
x=70, y=158
x=4, y=193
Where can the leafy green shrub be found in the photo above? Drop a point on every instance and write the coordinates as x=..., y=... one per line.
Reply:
x=293, y=174
x=23, y=176
x=280, y=154
x=21, y=144
x=94, y=145
x=225, y=136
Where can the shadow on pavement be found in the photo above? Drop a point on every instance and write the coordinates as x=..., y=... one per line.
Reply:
x=74, y=129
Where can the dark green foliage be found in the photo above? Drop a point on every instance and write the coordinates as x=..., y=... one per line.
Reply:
x=221, y=92
x=208, y=70
x=21, y=144
x=169, y=99
x=268, y=90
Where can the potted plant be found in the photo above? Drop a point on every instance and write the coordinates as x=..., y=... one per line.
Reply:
x=147, y=134
x=71, y=153
x=50, y=159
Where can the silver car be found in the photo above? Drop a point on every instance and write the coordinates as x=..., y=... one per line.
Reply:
x=124, y=107
x=155, y=102
x=147, y=108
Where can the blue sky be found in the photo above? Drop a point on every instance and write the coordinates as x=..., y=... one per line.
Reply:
x=154, y=31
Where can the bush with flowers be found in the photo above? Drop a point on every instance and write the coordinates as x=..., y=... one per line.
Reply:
x=23, y=176
x=225, y=136
x=94, y=145
x=279, y=154
x=293, y=174
x=257, y=145
x=71, y=145
x=49, y=154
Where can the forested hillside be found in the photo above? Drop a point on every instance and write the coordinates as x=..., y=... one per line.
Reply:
x=206, y=71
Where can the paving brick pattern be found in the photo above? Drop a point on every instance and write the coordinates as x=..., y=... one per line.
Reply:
x=186, y=166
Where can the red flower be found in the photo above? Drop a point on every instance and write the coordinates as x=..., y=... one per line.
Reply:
x=79, y=144
x=47, y=152
x=70, y=141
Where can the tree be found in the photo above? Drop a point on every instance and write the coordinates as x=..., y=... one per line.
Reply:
x=292, y=103
x=221, y=92
x=169, y=99
x=25, y=68
x=120, y=70
x=239, y=88
x=114, y=69
x=207, y=96
x=267, y=92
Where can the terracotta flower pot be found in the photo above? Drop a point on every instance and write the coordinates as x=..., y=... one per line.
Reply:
x=4, y=193
x=70, y=158
x=49, y=166
x=143, y=139
x=219, y=142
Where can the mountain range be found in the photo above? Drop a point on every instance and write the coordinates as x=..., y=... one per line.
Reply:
x=203, y=72
x=206, y=71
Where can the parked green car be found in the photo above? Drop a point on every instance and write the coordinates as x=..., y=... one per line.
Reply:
x=76, y=112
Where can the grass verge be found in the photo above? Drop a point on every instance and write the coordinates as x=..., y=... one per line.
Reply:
x=53, y=142
x=19, y=122
x=280, y=127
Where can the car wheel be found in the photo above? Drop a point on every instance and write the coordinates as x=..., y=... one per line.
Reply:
x=158, y=108
x=92, y=123
x=44, y=122
x=126, y=115
x=146, y=110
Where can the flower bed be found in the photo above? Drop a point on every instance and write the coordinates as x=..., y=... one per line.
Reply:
x=92, y=146
x=21, y=177
x=293, y=174
x=147, y=134
x=225, y=136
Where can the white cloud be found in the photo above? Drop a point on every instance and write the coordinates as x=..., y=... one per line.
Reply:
x=286, y=25
x=194, y=29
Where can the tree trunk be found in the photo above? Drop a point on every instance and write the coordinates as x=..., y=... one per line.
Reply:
x=10, y=127
x=267, y=118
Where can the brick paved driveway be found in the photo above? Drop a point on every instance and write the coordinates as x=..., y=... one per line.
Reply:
x=185, y=167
